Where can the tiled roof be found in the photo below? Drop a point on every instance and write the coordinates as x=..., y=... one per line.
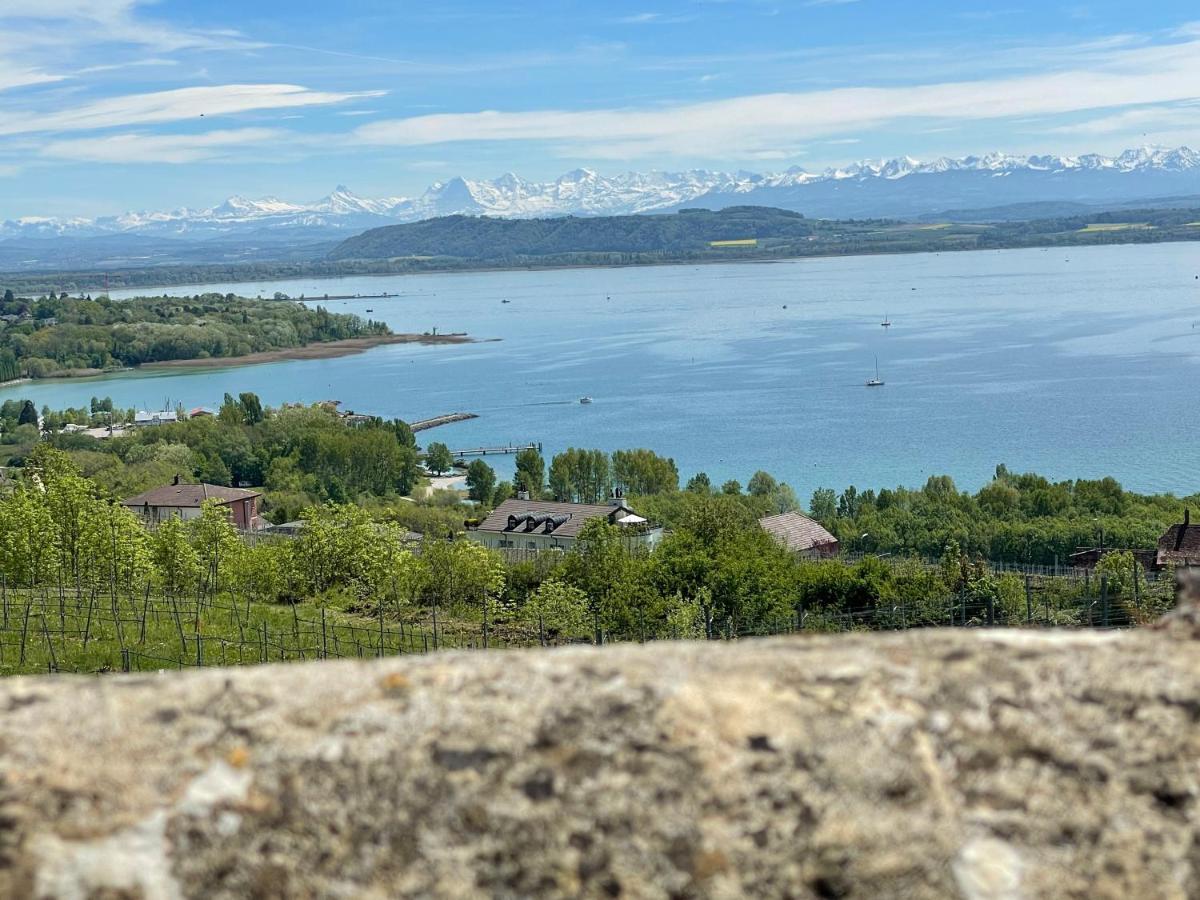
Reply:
x=796, y=532
x=1180, y=544
x=579, y=515
x=188, y=495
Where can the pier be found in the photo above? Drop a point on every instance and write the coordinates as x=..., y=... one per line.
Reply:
x=426, y=424
x=495, y=451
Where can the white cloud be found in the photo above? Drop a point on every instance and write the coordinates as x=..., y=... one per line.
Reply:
x=66, y=22
x=182, y=104
x=752, y=124
x=166, y=148
x=13, y=76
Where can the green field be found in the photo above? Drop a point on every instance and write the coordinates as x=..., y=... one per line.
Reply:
x=745, y=242
x=1116, y=226
x=91, y=632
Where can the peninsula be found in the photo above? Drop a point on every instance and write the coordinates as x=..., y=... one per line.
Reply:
x=56, y=336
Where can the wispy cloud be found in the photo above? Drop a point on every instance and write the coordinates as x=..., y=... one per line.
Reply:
x=152, y=148
x=178, y=105
x=44, y=23
x=752, y=124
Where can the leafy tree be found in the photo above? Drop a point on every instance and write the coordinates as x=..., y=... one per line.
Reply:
x=731, y=487
x=823, y=506
x=700, y=484
x=481, y=481
x=29, y=414
x=438, y=458
x=762, y=484
x=644, y=472
x=558, y=610
x=530, y=473
x=252, y=410
x=580, y=476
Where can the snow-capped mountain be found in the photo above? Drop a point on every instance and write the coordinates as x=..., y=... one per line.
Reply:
x=902, y=187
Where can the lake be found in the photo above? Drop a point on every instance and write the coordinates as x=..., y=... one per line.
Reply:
x=1074, y=363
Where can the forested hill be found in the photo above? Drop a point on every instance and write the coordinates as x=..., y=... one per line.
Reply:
x=54, y=334
x=745, y=232
x=469, y=237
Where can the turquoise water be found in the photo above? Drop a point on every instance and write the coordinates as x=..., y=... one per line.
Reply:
x=1073, y=363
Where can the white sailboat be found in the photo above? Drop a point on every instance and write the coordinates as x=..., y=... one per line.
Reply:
x=876, y=381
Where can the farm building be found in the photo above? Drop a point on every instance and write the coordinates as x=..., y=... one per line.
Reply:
x=799, y=534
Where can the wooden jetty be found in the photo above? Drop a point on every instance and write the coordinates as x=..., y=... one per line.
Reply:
x=495, y=451
x=426, y=424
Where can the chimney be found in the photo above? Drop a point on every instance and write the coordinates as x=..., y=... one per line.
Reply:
x=618, y=499
x=1187, y=520
x=522, y=495
x=176, y=481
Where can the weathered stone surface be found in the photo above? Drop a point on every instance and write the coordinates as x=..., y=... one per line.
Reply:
x=985, y=765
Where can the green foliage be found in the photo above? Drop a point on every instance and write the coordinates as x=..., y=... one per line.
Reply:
x=530, y=473
x=558, y=610
x=580, y=476
x=87, y=334
x=438, y=458
x=481, y=481
x=644, y=472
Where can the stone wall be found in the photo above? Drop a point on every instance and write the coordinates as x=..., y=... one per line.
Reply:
x=977, y=764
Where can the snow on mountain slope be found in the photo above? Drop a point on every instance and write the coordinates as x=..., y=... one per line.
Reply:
x=896, y=187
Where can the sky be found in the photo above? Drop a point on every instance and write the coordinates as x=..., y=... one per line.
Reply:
x=114, y=105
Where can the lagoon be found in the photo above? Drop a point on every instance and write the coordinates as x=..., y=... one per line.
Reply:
x=1074, y=363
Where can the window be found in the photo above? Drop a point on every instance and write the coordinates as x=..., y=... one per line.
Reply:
x=532, y=545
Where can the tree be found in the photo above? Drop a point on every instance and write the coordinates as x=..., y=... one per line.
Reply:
x=644, y=472
x=580, y=476
x=731, y=488
x=29, y=415
x=699, y=483
x=531, y=473
x=558, y=610
x=438, y=458
x=252, y=410
x=481, y=481
x=761, y=484
x=823, y=505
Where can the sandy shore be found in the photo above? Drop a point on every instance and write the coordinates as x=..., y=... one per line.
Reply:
x=319, y=350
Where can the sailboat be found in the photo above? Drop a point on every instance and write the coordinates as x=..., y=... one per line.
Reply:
x=886, y=323
x=876, y=381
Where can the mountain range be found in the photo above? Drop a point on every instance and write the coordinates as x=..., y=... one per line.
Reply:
x=982, y=188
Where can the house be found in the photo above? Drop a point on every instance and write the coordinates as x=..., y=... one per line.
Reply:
x=201, y=412
x=1180, y=546
x=799, y=534
x=142, y=418
x=522, y=524
x=183, y=501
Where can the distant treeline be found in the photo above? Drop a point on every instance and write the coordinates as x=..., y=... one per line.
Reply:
x=57, y=334
x=691, y=236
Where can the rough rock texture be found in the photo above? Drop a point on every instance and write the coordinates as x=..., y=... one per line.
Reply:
x=984, y=765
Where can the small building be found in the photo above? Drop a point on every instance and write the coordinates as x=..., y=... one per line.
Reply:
x=201, y=412
x=180, y=500
x=143, y=418
x=520, y=524
x=1180, y=546
x=801, y=535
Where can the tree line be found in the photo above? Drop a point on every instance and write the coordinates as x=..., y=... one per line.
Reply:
x=56, y=333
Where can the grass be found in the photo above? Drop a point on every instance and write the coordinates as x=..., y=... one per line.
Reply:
x=88, y=633
x=744, y=242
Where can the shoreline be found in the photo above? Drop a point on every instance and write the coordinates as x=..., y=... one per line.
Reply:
x=484, y=268
x=315, y=350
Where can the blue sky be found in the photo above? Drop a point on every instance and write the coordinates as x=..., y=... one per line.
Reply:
x=108, y=105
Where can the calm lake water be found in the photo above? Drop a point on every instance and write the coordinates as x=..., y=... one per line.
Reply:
x=1072, y=363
